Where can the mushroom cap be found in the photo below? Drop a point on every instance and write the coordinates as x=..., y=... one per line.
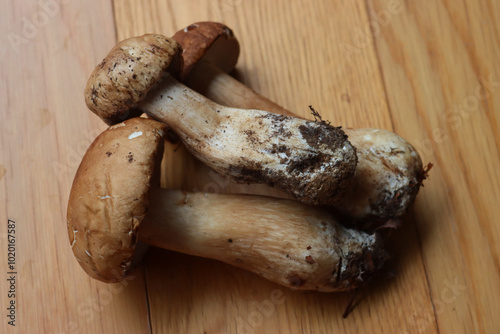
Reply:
x=208, y=41
x=110, y=196
x=129, y=71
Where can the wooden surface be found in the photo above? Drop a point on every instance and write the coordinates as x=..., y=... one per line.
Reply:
x=428, y=70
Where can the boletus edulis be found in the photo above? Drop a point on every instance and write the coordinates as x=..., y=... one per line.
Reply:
x=115, y=202
x=311, y=161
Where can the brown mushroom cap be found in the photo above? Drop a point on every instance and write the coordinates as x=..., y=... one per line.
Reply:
x=209, y=41
x=110, y=195
x=128, y=73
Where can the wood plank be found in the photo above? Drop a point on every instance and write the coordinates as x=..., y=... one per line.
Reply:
x=45, y=130
x=439, y=61
x=291, y=55
x=432, y=75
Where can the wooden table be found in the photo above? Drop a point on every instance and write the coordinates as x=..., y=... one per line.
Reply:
x=428, y=70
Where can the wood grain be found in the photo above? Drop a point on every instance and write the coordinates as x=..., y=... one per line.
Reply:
x=440, y=66
x=426, y=69
x=45, y=130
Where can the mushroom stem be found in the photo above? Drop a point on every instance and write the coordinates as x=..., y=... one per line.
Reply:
x=220, y=87
x=286, y=242
x=389, y=169
x=254, y=145
x=191, y=114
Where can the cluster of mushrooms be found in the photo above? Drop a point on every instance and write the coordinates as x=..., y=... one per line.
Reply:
x=342, y=184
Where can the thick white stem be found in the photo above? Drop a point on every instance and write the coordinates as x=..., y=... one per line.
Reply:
x=283, y=241
x=389, y=169
x=191, y=114
x=311, y=161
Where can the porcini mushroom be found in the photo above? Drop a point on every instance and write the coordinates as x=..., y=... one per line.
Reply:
x=211, y=44
x=114, y=203
x=309, y=160
x=210, y=51
x=389, y=170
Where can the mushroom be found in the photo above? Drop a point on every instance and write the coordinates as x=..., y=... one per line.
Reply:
x=115, y=204
x=311, y=161
x=209, y=44
x=389, y=170
x=210, y=50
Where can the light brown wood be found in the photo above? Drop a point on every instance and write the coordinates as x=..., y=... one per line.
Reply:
x=442, y=77
x=427, y=70
x=45, y=129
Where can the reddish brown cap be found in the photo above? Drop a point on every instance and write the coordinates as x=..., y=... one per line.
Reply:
x=110, y=195
x=129, y=71
x=208, y=41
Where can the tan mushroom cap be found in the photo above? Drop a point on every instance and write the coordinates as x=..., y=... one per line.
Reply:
x=210, y=41
x=129, y=71
x=110, y=195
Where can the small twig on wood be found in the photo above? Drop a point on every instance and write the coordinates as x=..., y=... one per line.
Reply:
x=350, y=305
x=424, y=174
x=317, y=116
